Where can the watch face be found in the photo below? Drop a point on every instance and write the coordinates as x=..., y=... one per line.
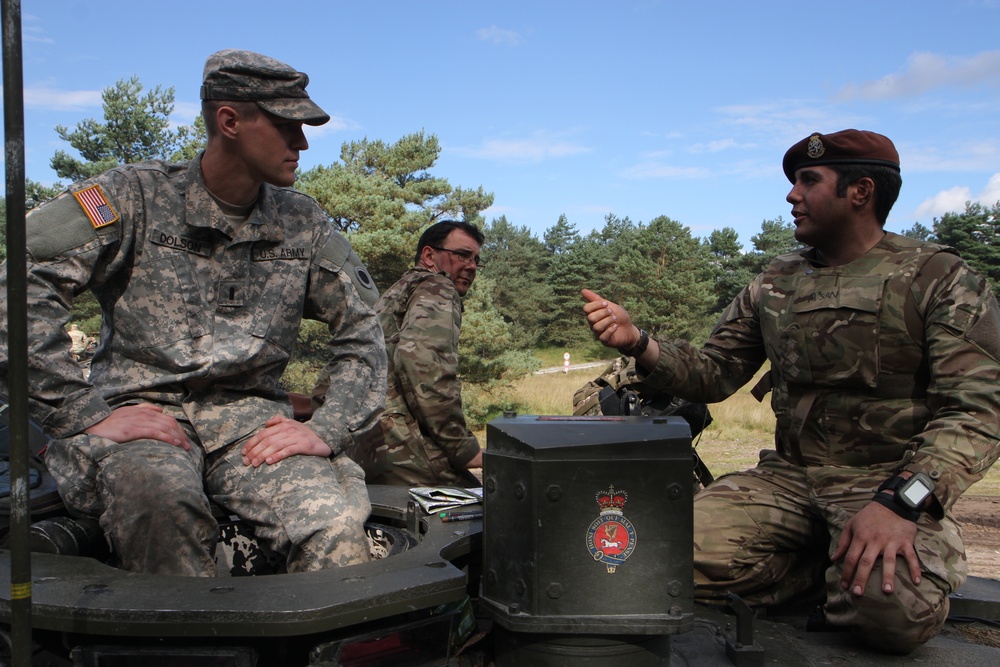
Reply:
x=915, y=491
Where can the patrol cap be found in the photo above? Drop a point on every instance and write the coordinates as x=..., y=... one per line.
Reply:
x=235, y=75
x=844, y=147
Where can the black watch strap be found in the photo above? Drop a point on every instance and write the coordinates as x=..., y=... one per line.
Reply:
x=891, y=484
x=639, y=347
x=888, y=502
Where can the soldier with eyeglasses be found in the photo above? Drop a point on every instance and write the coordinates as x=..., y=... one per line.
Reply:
x=422, y=438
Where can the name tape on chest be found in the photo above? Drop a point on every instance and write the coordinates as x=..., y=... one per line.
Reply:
x=187, y=244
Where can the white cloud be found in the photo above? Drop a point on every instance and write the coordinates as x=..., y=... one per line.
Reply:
x=973, y=155
x=981, y=153
x=536, y=148
x=61, y=100
x=185, y=113
x=497, y=35
x=496, y=211
x=927, y=71
x=782, y=123
x=335, y=124
x=991, y=195
x=673, y=134
x=954, y=199
x=31, y=32
x=653, y=169
x=718, y=146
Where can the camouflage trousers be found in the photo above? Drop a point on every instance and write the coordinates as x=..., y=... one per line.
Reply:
x=152, y=500
x=767, y=534
x=403, y=456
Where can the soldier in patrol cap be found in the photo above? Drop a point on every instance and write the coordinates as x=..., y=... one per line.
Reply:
x=204, y=271
x=884, y=363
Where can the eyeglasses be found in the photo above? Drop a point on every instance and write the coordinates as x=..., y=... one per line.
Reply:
x=464, y=255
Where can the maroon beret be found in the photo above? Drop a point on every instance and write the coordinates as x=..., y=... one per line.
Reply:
x=844, y=147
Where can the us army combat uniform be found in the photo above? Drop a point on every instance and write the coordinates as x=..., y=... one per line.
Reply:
x=200, y=316
x=887, y=363
x=422, y=439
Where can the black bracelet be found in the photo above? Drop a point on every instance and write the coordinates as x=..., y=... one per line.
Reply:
x=638, y=348
x=887, y=501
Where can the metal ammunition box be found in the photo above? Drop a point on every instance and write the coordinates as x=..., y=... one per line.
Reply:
x=588, y=525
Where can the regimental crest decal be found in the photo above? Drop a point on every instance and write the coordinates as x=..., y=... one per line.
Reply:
x=611, y=537
x=815, y=147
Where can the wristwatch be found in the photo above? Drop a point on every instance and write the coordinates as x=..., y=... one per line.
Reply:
x=908, y=496
x=637, y=349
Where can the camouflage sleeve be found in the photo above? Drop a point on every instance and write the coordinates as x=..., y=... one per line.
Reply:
x=69, y=249
x=727, y=361
x=356, y=369
x=426, y=359
x=962, y=328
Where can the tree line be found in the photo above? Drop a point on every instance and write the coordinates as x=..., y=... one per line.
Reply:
x=382, y=195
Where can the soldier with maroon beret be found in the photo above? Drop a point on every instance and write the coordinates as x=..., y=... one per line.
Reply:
x=884, y=362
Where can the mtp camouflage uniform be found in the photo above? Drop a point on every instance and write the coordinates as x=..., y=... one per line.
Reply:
x=421, y=438
x=200, y=315
x=885, y=364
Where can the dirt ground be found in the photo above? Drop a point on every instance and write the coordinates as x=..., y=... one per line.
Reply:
x=980, y=519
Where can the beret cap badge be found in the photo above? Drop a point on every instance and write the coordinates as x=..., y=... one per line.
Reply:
x=815, y=148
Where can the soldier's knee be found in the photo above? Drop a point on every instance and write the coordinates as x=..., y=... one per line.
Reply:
x=898, y=623
x=900, y=639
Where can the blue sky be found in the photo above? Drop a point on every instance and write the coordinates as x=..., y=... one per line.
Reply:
x=638, y=108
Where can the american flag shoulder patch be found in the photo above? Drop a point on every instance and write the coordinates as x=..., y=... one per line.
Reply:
x=96, y=206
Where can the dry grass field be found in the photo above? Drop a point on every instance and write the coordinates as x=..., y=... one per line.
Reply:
x=741, y=427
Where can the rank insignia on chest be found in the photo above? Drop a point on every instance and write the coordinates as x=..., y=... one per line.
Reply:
x=96, y=206
x=611, y=537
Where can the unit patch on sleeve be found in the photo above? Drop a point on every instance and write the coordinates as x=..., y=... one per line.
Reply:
x=611, y=538
x=96, y=206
